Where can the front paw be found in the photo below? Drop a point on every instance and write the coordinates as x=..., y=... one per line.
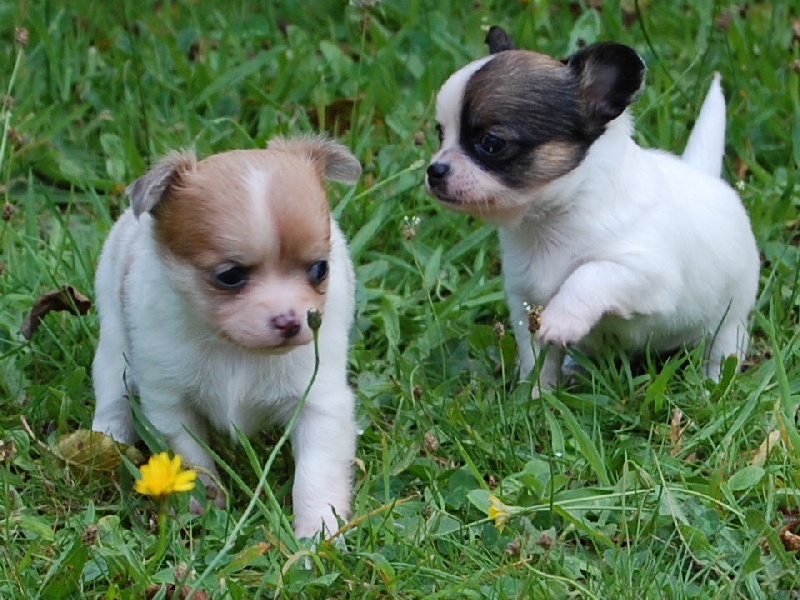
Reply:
x=561, y=327
x=214, y=492
x=324, y=526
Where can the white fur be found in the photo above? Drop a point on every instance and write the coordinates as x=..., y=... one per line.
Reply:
x=706, y=145
x=186, y=375
x=633, y=245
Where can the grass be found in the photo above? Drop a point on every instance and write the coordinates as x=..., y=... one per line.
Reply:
x=640, y=481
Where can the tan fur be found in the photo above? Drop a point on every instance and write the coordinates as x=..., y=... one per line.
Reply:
x=238, y=208
x=204, y=288
x=205, y=217
x=553, y=159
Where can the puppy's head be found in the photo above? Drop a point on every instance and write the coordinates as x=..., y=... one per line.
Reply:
x=245, y=235
x=514, y=121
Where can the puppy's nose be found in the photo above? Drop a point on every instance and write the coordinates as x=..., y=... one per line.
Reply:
x=287, y=323
x=437, y=172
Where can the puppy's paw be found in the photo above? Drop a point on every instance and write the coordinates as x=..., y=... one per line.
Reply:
x=214, y=492
x=549, y=375
x=561, y=327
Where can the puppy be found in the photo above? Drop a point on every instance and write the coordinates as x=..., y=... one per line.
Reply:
x=203, y=288
x=619, y=244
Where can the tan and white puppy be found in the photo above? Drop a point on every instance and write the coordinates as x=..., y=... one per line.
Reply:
x=203, y=290
x=617, y=243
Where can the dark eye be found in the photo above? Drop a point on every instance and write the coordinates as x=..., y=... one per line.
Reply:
x=439, y=132
x=231, y=278
x=490, y=145
x=318, y=272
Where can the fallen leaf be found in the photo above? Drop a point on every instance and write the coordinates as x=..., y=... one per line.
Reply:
x=336, y=117
x=791, y=541
x=771, y=441
x=154, y=589
x=725, y=17
x=742, y=169
x=91, y=451
x=676, y=430
x=65, y=298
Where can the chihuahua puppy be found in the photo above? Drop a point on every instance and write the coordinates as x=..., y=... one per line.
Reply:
x=617, y=243
x=203, y=289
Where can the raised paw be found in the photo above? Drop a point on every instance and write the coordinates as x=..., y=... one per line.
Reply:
x=562, y=328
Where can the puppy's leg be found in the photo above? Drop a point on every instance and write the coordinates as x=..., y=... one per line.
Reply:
x=591, y=291
x=177, y=422
x=522, y=335
x=550, y=372
x=112, y=413
x=731, y=339
x=324, y=442
x=529, y=350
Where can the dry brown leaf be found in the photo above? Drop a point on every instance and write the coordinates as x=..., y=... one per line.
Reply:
x=742, y=169
x=770, y=442
x=336, y=117
x=676, y=431
x=91, y=451
x=154, y=589
x=725, y=18
x=65, y=298
x=791, y=541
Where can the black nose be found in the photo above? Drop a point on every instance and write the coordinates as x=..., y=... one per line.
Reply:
x=438, y=171
x=288, y=324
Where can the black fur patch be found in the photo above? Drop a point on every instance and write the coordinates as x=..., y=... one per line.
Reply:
x=610, y=76
x=499, y=40
x=528, y=101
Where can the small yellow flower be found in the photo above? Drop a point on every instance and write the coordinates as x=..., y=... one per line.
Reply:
x=498, y=512
x=162, y=476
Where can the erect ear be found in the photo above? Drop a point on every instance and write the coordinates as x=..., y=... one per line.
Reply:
x=147, y=191
x=499, y=40
x=610, y=77
x=334, y=160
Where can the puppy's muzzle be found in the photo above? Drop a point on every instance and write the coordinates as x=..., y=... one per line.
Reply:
x=288, y=324
x=437, y=174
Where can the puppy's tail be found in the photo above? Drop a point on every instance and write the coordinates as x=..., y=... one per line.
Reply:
x=706, y=145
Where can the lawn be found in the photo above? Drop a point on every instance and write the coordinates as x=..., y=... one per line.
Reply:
x=641, y=480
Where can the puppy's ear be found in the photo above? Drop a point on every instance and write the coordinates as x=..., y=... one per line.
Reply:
x=610, y=77
x=333, y=159
x=147, y=191
x=499, y=40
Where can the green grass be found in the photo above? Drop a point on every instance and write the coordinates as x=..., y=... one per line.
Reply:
x=604, y=503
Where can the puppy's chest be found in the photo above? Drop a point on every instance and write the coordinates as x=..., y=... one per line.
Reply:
x=247, y=394
x=535, y=273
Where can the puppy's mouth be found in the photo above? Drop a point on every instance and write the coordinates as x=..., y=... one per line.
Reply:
x=484, y=206
x=274, y=346
x=490, y=209
x=438, y=191
x=437, y=182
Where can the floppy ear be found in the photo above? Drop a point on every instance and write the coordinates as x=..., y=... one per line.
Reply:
x=499, y=40
x=334, y=160
x=147, y=191
x=610, y=77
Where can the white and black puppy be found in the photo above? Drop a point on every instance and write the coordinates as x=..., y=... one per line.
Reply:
x=616, y=242
x=203, y=290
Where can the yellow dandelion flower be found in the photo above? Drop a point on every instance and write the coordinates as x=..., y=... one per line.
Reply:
x=498, y=512
x=162, y=476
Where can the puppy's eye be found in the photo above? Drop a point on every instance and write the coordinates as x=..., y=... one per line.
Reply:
x=490, y=145
x=232, y=278
x=318, y=272
x=439, y=132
